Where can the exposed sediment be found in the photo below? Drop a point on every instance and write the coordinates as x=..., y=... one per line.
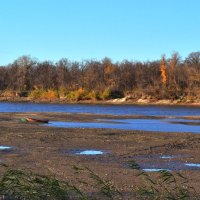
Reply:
x=47, y=150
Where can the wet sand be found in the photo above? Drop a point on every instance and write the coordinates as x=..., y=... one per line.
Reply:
x=48, y=150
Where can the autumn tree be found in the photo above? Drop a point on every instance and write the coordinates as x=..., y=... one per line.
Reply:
x=94, y=76
x=163, y=67
x=193, y=59
x=63, y=77
x=109, y=72
x=45, y=75
x=168, y=78
x=127, y=76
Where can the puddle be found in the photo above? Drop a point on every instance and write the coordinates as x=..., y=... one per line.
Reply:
x=166, y=157
x=156, y=162
x=159, y=156
x=173, y=156
x=89, y=152
x=5, y=147
x=170, y=157
x=158, y=125
x=193, y=164
x=154, y=170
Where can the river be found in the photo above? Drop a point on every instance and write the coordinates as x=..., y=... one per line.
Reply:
x=173, y=116
x=147, y=110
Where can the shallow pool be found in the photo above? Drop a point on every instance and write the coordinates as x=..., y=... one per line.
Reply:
x=87, y=152
x=4, y=147
x=158, y=125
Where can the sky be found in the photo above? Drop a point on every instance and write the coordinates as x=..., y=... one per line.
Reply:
x=141, y=30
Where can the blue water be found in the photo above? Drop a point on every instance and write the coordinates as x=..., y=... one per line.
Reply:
x=86, y=152
x=90, y=152
x=172, y=113
x=172, y=123
x=155, y=170
x=169, y=166
x=132, y=124
x=4, y=147
x=102, y=109
x=193, y=164
x=166, y=157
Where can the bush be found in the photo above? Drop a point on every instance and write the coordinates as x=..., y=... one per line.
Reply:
x=42, y=94
x=63, y=92
x=93, y=95
x=50, y=94
x=8, y=93
x=111, y=94
x=77, y=95
x=35, y=94
x=23, y=94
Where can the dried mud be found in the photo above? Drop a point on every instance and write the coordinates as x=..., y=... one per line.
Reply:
x=46, y=150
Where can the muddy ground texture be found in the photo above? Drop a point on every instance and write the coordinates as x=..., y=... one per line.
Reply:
x=49, y=150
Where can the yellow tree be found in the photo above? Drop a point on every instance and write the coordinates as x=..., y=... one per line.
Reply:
x=163, y=70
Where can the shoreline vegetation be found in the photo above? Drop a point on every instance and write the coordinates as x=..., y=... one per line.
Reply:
x=165, y=81
x=43, y=97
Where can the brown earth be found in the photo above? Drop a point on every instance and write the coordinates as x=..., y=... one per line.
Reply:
x=48, y=150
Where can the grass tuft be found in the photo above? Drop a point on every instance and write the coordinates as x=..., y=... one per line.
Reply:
x=20, y=185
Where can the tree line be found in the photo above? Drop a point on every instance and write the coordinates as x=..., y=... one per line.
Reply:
x=167, y=78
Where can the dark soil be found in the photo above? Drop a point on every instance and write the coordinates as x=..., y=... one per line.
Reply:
x=46, y=150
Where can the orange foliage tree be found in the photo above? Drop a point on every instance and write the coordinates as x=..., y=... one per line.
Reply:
x=163, y=70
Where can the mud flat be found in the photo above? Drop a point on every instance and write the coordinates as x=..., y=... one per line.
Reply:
x=51, y=150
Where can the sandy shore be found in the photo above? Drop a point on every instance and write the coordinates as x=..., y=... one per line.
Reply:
x=49, y=150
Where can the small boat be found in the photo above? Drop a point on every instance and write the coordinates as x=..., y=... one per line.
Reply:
x=33, y=120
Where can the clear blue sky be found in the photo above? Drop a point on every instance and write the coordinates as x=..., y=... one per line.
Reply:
x=92, y=29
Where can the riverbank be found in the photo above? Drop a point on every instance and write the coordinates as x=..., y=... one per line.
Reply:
x=49, y=150
x=125, y=100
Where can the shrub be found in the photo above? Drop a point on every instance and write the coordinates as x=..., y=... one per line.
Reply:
x=93, y=95
x=77, y=95
x=50, y=94
x=8, y=93
x=111, y=94
x=106, y=94
x=42, y=94
x=35, y=94
x=63, y=92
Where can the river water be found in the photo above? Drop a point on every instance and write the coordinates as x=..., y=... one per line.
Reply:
x=102, y=109
x=173, y=121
